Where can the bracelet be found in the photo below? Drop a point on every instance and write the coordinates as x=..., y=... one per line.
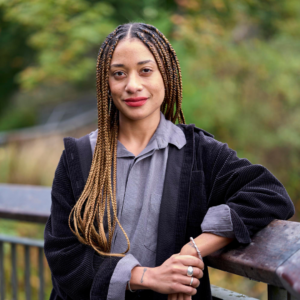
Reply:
x=128, y=284
x=195, y=246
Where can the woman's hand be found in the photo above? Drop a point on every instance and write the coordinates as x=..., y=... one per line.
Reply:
x=187, y=249
x=171, y=277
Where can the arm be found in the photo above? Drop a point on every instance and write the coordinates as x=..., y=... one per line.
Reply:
x=169, y=278
x=207, y=243
x=248, y=197
x=254, y=196
x=244, y=197
x=77, y=271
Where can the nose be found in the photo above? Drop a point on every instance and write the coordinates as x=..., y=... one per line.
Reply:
x=133, y=84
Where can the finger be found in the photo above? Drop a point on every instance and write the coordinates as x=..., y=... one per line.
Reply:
x=172, y=297
x=202, y=266
x=188, y=290
x=188, y=280
x=187, y=297
x=180, y=296
x=189, y=260
x=196, y=271
x=176, y=254
x=183, y=296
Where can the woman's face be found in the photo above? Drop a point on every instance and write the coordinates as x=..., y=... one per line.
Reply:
x=135, y=82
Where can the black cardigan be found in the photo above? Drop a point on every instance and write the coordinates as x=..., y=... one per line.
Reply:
x=204, y=173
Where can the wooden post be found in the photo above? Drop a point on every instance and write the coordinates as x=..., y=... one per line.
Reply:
x=276, y=293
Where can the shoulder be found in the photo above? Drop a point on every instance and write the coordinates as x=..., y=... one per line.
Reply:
x=72, y=143
x=78, y=155
x=200, y=136
x=80, y=147
x=206, y=148
x=186, y=128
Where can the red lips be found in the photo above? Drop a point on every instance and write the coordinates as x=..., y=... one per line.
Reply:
x=136, y=101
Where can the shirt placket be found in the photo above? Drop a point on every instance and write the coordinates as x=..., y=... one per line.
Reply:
x=130, y=177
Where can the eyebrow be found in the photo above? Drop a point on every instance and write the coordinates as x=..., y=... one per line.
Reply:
x=139, y=63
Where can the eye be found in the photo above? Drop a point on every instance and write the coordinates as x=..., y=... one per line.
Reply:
x=119, y=74
x=146, y=70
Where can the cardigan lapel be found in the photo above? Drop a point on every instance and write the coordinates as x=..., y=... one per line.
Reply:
x=175, y=199
x=184, y=188
x=168, y=207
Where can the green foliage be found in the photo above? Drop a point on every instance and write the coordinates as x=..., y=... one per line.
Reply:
x=17, y=118
x=240, y=81
x=53, y=43
x=239, y=62
x=65, y=35
x=15, y=56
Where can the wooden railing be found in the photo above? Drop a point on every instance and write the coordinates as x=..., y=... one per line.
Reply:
x=272, y=257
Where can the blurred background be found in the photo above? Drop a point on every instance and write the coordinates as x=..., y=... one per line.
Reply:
x=240, y=64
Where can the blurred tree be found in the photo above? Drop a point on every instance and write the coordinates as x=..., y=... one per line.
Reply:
x=62, y=39
x=239, y=60
x=64, y=34
x=241, y=68
x=143, y=10
x=15, y=56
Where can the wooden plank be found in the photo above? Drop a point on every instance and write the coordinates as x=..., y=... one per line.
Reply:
x=289, y=274
x=25, y=202
x=270, y=248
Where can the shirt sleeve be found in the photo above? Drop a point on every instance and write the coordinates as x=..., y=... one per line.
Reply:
x=120, y=277
x=218, y=221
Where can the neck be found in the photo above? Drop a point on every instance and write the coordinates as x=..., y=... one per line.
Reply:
x=136, y=134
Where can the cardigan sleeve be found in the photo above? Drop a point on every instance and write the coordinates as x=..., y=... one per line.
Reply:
x=78, y=272
x=255, y=197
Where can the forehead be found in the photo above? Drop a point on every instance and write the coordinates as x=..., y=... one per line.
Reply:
x=131, y=50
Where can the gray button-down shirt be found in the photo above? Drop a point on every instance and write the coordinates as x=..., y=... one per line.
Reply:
x=140, y=181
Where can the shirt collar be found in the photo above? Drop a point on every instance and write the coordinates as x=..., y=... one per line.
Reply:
x=166, y=133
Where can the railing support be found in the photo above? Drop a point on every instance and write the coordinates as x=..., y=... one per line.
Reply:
x=2, y=275
x=27, y=272
x=291, y=297
x=41, y=274
x=14, y=278
x=276, y=293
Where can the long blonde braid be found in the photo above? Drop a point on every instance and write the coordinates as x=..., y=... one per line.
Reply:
x=99, y=194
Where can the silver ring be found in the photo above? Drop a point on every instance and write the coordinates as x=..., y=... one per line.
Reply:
x=192, y=279
x=190, y=271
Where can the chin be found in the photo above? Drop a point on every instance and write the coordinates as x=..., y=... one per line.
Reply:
x=138, y=114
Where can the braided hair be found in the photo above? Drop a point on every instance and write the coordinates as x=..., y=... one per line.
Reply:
x=86, y=219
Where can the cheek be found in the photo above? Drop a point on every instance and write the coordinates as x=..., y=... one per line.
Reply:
x=115, y=87
x=159, y=88
x=161, y=94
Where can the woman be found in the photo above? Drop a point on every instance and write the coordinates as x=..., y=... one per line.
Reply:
x=127, y=198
